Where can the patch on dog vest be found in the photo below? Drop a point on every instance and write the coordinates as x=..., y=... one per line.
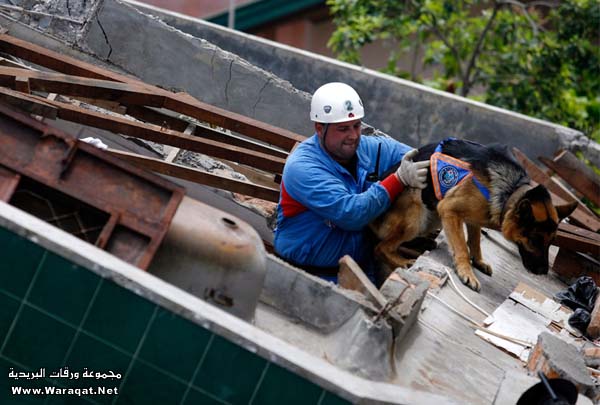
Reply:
x=448, y=172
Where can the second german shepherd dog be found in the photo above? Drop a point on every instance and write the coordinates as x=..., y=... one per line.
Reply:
x=493, y=192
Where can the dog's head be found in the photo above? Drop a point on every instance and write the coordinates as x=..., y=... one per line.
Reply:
x=531, y=222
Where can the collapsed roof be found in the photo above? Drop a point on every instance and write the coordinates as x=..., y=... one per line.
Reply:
x=121, y=110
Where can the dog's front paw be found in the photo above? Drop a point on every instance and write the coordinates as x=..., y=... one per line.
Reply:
x=465, y=273
x=482, y=266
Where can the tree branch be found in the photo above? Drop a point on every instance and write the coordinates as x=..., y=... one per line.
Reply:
x=523, y=7
x=467, y=84
x=452, y=49
x=416, y=49
x=543, y=3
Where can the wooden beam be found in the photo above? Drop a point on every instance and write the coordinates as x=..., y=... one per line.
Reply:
x=182, y=103
x=9, y=181
x=155, y=117
x=166, y=121
x=540, y=177
x=198, y=176
x=22, y=84
x=56, y=61
x=124, y=93
x=208, y=133
x=593, y=329
x=133, y=94
x=352, y=277
x=577, y=243
x=575, y=230
x=28, y=103
x=186, y=104
x=576, y=173
x=108, y=105
x=581, y=214
x=255, y=176
x=165, y=136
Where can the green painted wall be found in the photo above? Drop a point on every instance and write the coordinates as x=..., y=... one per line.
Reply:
x=55, y=314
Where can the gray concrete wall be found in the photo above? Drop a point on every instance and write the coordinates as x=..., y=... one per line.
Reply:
x=409, y=112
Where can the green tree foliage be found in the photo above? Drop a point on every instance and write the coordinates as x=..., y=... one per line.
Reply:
x=540, y=58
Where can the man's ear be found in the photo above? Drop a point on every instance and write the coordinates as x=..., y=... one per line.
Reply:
x=565, y=210
x=319, y=129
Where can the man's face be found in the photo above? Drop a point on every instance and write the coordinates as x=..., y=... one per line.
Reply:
x=342, y=139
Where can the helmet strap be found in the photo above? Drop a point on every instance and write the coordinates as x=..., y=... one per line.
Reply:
x=325, y=128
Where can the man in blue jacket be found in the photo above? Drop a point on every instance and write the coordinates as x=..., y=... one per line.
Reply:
x=328, y=190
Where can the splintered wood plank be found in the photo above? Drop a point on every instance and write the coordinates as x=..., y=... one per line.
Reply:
x=9, y=181
x=186, y=104
x=593, y=329
x=55, y=61
x=352, y=277
x=575, y=230
x=20, y=79
x=198, y=176
x=576, y=173
x=27, y=103
x=577, y=243
x=559, y=196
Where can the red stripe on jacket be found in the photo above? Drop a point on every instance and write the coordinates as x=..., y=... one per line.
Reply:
x=289, y=206
x=392, y=185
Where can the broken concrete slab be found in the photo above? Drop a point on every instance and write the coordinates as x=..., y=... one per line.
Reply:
x=405, y=293
x=559, y=359
x=431, y=270
x=287, y=288
x=66, y=20
x=365, y=348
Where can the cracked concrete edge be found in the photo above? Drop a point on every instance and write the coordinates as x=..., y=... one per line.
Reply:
x=286, y=288
x=30, y=34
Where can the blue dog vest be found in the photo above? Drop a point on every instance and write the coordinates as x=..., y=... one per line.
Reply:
x=448, y=172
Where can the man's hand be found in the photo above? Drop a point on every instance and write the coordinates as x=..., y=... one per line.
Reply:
x=413, y=174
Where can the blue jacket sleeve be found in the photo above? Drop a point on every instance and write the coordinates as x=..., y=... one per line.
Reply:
x=321, y=191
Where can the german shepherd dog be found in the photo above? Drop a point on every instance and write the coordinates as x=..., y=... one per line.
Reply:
x=497, y=194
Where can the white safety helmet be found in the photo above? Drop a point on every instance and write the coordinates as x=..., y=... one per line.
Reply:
x=335, y=102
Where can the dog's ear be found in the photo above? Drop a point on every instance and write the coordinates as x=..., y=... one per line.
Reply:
x=538, y=193
x=524, y=212
x=565, y=210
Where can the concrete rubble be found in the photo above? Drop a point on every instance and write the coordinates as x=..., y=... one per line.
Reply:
x=559, y=359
